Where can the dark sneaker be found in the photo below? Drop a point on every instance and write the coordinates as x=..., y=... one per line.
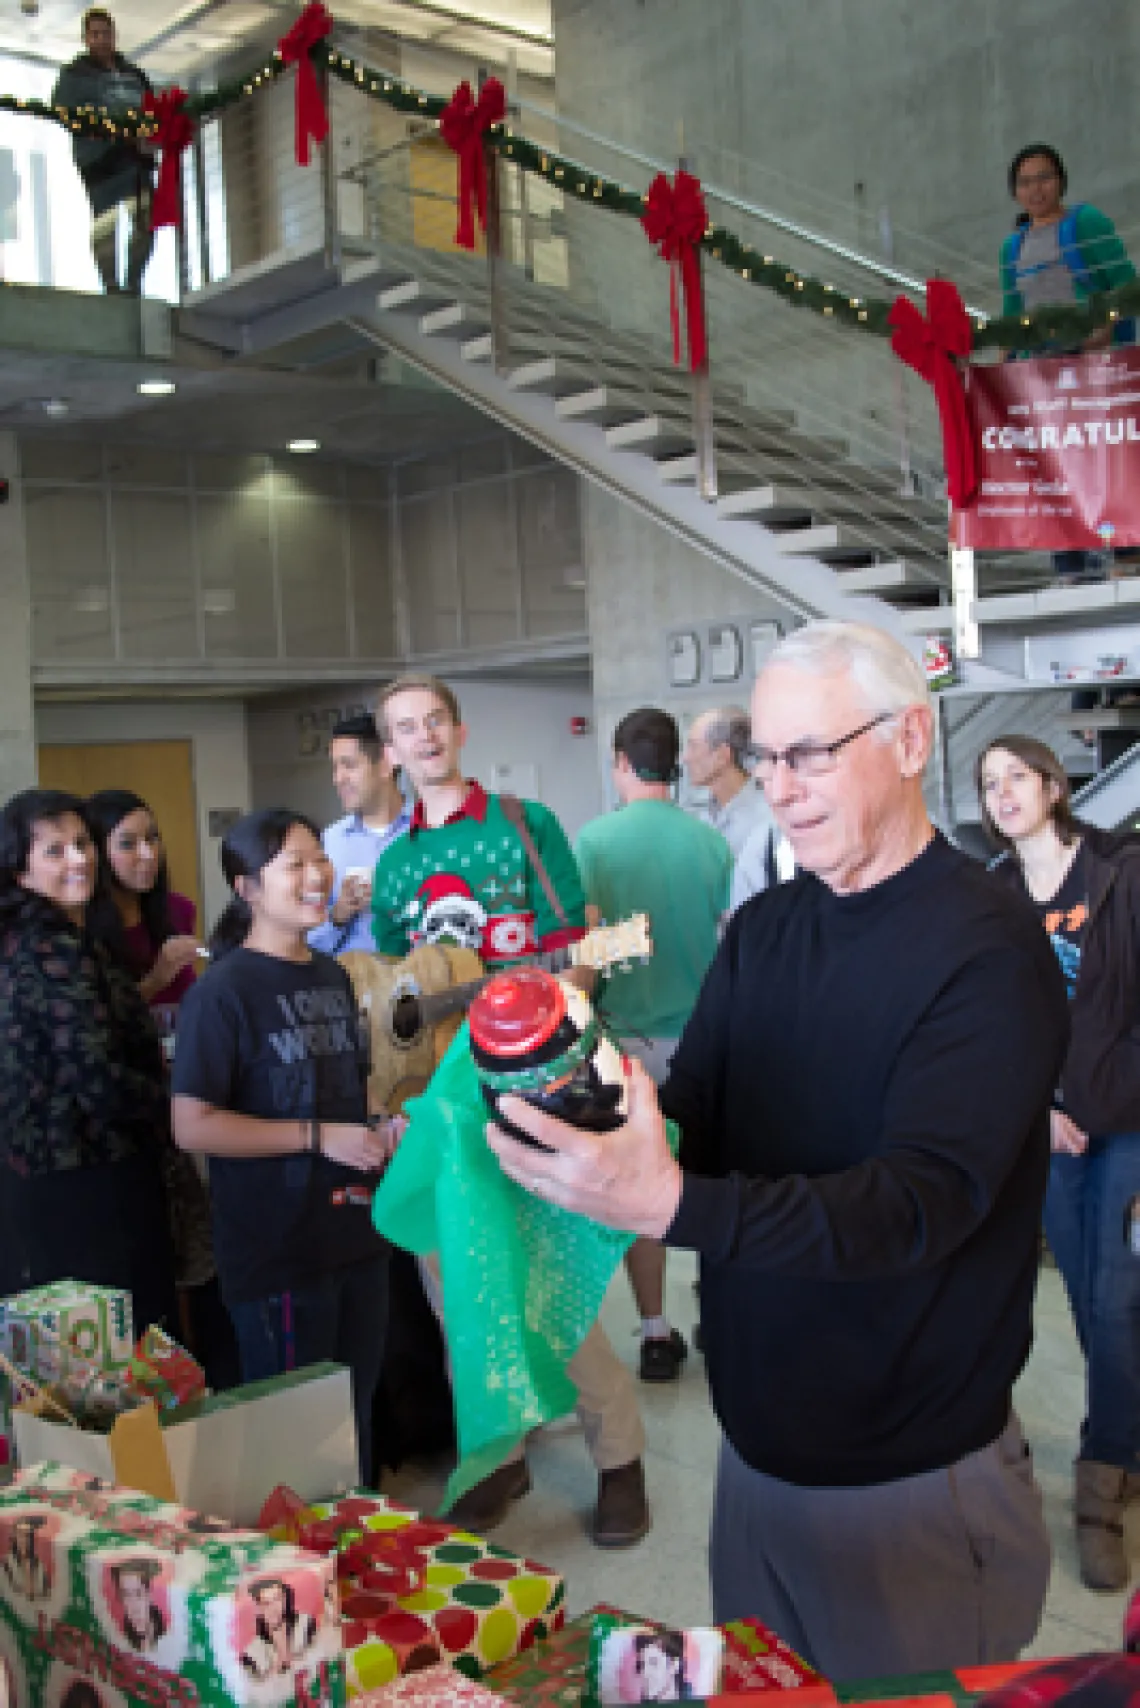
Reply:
x=621, y=1516
x=661, y=1360
x=488, y=1503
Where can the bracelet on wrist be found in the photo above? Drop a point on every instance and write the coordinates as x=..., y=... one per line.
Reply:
x=315, y=1136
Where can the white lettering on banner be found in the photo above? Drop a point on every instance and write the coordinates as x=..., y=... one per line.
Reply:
x=1078, y=435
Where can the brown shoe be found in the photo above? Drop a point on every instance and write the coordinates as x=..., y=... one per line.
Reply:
x=1099, y=1495
x=488, y=1503
x=621, y=1516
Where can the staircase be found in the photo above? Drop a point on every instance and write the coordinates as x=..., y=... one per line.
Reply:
x=810, y=467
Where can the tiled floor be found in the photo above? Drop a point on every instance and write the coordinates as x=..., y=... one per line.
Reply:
x=666, y=1575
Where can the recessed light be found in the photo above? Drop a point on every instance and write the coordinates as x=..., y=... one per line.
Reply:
x=301, y=446
x=156, y=388
x=56, y=406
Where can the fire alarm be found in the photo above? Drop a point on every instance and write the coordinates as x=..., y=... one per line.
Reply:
x=579, y=726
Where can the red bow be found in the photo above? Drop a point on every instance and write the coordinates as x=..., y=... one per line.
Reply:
x=462, y=123
x=675, y=220
x=173, y=132
x=296, y=48
x=929, y=346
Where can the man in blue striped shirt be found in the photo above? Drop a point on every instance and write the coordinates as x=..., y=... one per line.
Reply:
x=375, y=815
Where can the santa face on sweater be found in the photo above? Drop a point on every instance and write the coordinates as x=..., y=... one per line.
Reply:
x=447, y=911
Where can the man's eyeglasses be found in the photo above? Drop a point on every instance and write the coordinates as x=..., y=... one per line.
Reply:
x=809, y=758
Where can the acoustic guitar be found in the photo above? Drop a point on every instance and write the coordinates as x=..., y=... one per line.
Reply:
x=414, y=1007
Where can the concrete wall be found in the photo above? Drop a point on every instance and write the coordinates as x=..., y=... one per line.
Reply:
x=17, y=748
x=642, y=582
x=217, y=732
x=510, y=723
x=914, y=108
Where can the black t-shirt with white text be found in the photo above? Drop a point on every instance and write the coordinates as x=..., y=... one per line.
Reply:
x=278, y=1040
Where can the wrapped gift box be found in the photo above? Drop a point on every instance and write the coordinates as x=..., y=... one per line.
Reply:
x=415, y=1592
x=955, y=1689
x=755, y=1661
x=434, y=1687
x=153, y=1604
x=69, y=1328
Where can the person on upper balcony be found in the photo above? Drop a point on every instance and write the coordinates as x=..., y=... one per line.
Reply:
x=1058, y=254
x=114, y=170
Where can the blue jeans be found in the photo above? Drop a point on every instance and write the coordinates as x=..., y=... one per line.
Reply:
x=340, y=1317
x=1086, y=1215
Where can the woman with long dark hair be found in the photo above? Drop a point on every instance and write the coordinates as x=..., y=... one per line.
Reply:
x=270, y=1084
x=146, y=924
x=83, y=1101
x=1085, y=886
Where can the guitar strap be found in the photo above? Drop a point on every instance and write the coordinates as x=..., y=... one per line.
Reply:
x=515, y=813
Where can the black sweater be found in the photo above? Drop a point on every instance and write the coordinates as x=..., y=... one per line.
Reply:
x=862, y=1093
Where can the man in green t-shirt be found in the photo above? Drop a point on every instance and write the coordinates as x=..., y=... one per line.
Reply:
x=462, y=874
x=651, y=857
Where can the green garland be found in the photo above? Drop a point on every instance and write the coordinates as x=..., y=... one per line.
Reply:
x=1065, y=325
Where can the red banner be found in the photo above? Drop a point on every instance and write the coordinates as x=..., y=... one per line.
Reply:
x=1058, y=449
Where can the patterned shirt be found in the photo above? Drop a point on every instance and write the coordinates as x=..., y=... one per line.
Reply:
x=82, y=1080
x=469, y=882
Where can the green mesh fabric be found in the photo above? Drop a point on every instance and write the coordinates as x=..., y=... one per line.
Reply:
x=523, y=1281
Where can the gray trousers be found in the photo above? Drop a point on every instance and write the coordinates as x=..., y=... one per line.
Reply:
x=941, y=1570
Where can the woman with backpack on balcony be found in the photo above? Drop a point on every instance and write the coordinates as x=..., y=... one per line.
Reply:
x=1058, y=254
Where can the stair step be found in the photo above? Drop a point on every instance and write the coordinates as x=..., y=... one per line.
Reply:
x=1107, y=717
x=647, y=433
x=598, y=403
x=455, y=317
x=477, y=349
x=399, y=296
x=883, y=577
x=928, y=620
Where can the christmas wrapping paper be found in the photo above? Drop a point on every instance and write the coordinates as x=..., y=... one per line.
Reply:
x=523, y=1280
x=68, y=1329
x=414, y=1592
x=434, y=1687
x=146, y=1603
x=555, y=1675
x=937, y=1689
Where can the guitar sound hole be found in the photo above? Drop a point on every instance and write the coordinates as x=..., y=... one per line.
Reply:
x=406, y=1019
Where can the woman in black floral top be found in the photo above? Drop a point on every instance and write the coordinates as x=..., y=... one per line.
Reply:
x=83, y=1098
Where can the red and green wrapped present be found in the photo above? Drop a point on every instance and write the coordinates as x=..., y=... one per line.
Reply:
x=164, y=1372
x=755, y=1661
x=415, y=1592
x=435, y=1687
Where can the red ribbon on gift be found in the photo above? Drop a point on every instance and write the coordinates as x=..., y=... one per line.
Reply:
x=929, y=344
x=463, y=123
x=311, y=120
x=173, y=132
x=675, y=220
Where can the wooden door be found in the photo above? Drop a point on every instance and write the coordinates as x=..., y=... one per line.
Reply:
x=160, y=772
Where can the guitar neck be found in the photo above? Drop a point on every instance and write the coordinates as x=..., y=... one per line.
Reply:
x=443, y=1004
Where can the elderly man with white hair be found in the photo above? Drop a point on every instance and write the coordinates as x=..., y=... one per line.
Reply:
x=863, y=1095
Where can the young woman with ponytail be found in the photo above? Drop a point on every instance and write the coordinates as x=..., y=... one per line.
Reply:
x=270, y=1085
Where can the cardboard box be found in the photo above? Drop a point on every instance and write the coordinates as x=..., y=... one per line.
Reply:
x=478, y=1604
x=756, y=1662
x=146, y=1603
x=67, y=1328
x=223, y=1454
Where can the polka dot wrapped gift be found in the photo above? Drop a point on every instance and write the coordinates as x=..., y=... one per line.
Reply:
x=414, y=1592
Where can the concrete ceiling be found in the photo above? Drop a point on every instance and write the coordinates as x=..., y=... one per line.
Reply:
x=186, y=40
x=361, y=409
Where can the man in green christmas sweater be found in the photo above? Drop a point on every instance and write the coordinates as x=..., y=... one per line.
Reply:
x=463, y=875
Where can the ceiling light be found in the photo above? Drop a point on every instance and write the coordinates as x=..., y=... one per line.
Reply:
x=302, y=446
x=56, y=406
x=156, y=388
